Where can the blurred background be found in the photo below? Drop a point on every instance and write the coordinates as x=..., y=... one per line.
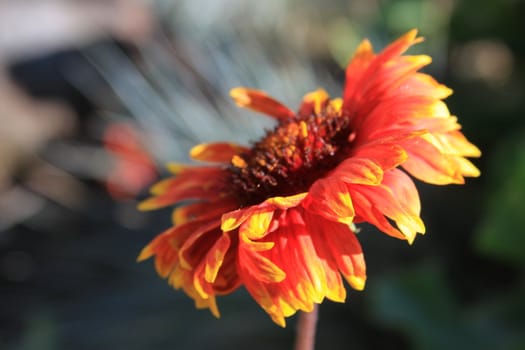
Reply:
x=96, y=96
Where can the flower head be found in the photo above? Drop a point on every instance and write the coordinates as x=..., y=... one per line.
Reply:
x=279, y=217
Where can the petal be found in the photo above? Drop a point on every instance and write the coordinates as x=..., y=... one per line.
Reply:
x=221, y=152
x=366, y=211
x=421, y=84
x=373, y=201
x=191, y=184
x=356, y=69
x=341, y=246
x=403, y=189
x=380, y=74
x=203, y=210
x=256, y=226
x=386, y=155
x=184, y=279
x=165, y=247
x=186, y=178
x=259, y=101
x=287, y=202
x=426, y=163
x=358, y=171
x=399, y=46
x=177, y=168
x=234, y=219
x=165, y=255
x=193, y=250
x=215, y=258
x=330, y=198
x=314, y=102
x=399, y=115
x=310, y=275
x=257, y=265
x=455, y=143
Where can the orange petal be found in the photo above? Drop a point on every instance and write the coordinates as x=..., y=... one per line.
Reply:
x=359, y=171
x=427, y=164
x=203, y=210
x=310, y=276
x=381, y=199
x=259, y=101
x=330, y=198
x=195, y=247
x=386, y=155
x=204, y=183
x=390, y=76
x=342, y=247
x=455, y=143
x=187, y=178
x=397, y=115
x=259, y=267
x=366, y=211
x=215, y=257
x=421, y=84
x=221, y=152
x=165, y=255
x=232, y=220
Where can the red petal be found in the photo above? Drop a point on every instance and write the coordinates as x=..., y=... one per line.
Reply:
x=259, y=101
x=356, y=70
x=371, y=78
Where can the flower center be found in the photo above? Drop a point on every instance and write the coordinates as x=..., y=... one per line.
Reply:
x=291, y=157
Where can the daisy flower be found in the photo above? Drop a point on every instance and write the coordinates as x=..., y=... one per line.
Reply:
x=279, y=216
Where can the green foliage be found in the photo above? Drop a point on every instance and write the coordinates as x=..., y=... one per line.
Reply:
x=419, y=304
x=501, y=232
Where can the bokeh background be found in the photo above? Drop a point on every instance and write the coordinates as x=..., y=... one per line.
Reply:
x=96, y=96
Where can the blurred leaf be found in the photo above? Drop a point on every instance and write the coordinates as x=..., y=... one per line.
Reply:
x=419, y=303
x=501, y=232
x=41, y=334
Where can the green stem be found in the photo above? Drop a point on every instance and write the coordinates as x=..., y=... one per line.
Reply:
x=306, y=327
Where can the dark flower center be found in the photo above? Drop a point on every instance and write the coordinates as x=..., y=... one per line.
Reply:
x=291, y=157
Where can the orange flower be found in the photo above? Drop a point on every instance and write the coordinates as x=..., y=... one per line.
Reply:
x=278, y=217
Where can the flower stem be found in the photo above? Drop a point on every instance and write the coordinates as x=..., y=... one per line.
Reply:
x=305, y=337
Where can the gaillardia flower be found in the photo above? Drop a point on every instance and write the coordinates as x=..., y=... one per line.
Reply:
x=279, y=217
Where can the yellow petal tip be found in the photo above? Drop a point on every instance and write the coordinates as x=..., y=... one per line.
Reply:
x=146, y=253
x=146, y=205
x=240, y=97
x=358, y=283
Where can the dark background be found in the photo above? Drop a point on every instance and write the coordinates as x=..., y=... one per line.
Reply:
x=68, y=277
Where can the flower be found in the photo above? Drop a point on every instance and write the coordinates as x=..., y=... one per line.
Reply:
x=279, y=217
x=133, y=168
